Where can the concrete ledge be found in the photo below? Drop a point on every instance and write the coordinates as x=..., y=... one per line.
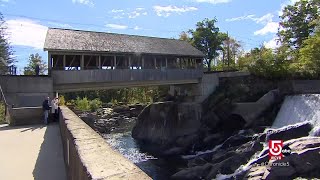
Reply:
x=25, y=116
x=300, y=87
x=88, y=156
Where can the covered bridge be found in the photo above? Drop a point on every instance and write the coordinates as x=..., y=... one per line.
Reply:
x=83, y=60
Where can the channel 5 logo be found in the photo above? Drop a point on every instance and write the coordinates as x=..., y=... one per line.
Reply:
x=277, y=151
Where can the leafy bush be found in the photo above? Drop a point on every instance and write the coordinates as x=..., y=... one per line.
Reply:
x=62, y=101
x=82, y=104
x=2, y=113
x=95, y=104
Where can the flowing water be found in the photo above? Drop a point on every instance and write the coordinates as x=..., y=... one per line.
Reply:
x=120, y=139
x=299, y=108
x=295, y=109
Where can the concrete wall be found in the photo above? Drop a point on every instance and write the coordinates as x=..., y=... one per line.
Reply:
x=88, y=156
x=26, y=116
x=252, y=110
x=26, y=91
x=209, y=83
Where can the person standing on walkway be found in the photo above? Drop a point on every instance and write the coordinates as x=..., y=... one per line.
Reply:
x=46, y=108
x=54, y=108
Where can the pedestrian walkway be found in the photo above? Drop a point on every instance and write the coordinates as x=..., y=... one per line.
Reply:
x=31, y=152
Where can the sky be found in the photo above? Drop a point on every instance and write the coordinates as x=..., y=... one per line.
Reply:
x=252, y=22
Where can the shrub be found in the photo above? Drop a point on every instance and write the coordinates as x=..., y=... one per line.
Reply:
x=95, y=104
x=62, y=101
x=2, y=113
x=82, y=104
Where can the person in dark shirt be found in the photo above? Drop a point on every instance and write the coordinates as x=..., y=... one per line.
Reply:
x=46, y=108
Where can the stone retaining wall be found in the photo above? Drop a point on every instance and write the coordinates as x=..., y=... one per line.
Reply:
x=88, y=156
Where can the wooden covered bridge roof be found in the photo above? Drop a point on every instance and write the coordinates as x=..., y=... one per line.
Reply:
x=88, y=41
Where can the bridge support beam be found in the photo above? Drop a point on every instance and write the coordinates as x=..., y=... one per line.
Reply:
x=82, y=62
x=99, y=63
x=49, y=63
x=64, y=62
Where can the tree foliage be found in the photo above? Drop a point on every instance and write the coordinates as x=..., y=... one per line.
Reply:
x=6, y=52
x=208, y=39
x=34, y=60
x=310, y=56
x=298, y=22
x=231, y=51
x=126, y=95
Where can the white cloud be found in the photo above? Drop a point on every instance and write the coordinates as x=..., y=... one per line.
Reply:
x=117, y=10
x=213, y=1
x=166, y=11
x=270, y=27
x=116, y=26
x=260, y=20
x=25, y=32
x=240, y=18
x=84, y=2
x=134, y=14
x=120, y=13
x=267, y=20
x=273, y=43
x=137, y=28
x=264, y=19
x=60, y=25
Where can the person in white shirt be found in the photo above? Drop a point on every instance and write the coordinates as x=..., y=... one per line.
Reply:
x=54, y=108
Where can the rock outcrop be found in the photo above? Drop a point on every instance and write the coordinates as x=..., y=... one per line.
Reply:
x=303, y=162
x=163, y=123
x=238, y=149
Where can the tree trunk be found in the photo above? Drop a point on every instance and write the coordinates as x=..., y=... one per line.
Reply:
x=209, y=64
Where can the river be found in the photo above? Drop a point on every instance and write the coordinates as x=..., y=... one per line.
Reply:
x=120, y=139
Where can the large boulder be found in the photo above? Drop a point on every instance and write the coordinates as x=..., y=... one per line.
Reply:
x=162, y=123
x=289, y=132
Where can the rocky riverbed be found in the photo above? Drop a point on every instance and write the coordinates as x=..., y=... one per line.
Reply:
x=225, y=137
x=231, y=138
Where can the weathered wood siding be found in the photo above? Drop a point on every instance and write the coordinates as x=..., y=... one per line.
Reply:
x=123, y=75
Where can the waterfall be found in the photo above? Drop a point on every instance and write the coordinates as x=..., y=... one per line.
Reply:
x=298, y=109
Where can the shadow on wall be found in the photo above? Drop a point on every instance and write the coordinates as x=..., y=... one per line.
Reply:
x=50, y=163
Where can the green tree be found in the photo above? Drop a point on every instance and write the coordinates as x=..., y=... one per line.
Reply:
x=231, y=49
x=6, y=52
x=184, y=36
x=298, y=22
x=207, y=38
x=34, y=60
x=310, y=56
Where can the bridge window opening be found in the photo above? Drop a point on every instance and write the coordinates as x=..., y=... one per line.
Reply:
x=149, y=62
x=72, y=62
x=107, y=62
x=192, y=63
x=91, y=62
x=171, y=62
x=199, y=63
x=57, y=62
x=136, y=62
x=122, y=62
x=161, y=62
x=184, y=63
